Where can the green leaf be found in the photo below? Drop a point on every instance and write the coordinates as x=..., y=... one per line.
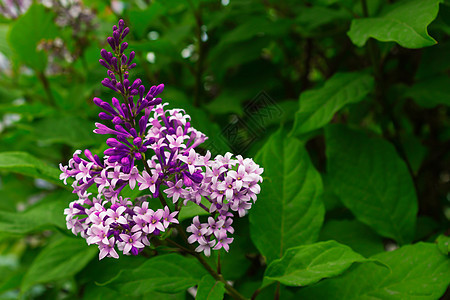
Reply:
x=61, y=259
x=43, y=215
x=4, y=46
x=443, y=243
x=317, y=107
x=430, y=92
x=191, y=210
x=210, y=289
x=26, y=164
x=35, y=25
x=404, y=22
x=372, y=181
x=67, y=129
x=308, y=264
x=353, y=234
x=313, y=17
x=169, y=273
x=417, y=271
x=289, y=211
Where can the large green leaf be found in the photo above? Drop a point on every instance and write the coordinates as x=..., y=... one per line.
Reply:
x=67, y=129
x=308, y=264
x=372, y=181
x=317, y=107
x=289, y=211
x=42, y=215
x=61, y=259
x=24, y=163
x=353, y=234
x=210, y=289
x=35, y=25
x=404, y=22
x=431, y=91
x=417, y=271
x=169, y=273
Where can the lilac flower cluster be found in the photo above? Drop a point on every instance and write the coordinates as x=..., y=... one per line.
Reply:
x=153, y=149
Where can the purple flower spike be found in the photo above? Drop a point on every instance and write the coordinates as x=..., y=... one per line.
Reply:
x=164, y=141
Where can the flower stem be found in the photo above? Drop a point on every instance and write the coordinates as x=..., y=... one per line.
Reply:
x=218, y=277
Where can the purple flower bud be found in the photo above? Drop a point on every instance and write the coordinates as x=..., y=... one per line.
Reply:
x=116, y=36
x=136, y=83
x=155, y=101
x=134, y=251
x=126, y=111
x=138, y=156
x=116, y=104
x=143, y=149
x=88, y=154
x=125, y=32
x=111, y=74
x=97, y=160
x=134, y=92
x=133, y=132
x=132, y=66
x=107, y=83
x=158, y=89
x=187, y=181
x=105, y=55
x=126, y=74
x=102, y=129
x=126, y=84
x=112, y=142
x=114, y=63
x=77, y=159
x=105, y=116
x=149, y=141
x=111, y=43
x=137, y=141
x=121, y=24
x=131, y=100
x=119, y=87
x=141, y=92
x=125, y=161
x=124, y=59
x=123, y=47
x=114, y=28
x=114, y=158
x=117, y=120
x=131, y=57
x=104, y=63
x=106, y=106
x=123, y=131
x=97, y=101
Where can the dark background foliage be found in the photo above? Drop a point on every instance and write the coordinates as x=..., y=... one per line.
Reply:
x=345, y=111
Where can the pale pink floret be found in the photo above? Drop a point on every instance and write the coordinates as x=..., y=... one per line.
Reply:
x=84, y=172
x=205, y=246
x=131, y=241
x=98, y=233
x=64, y=175
x=175, y=191
x=168, y=217
x=115, y=216
x=154, y=221
x=131, y=177
x=223, y=242
x=115, y=175
x=107, y=250
x=191, y=160
x=147, y=182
